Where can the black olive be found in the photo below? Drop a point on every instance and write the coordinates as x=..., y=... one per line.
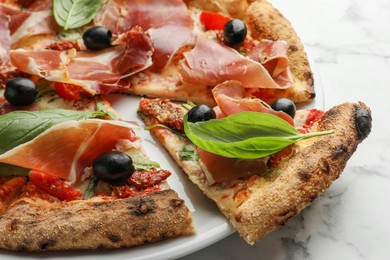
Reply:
x=234, y=32
x=363, y=122
x=113, y=167
x=285, y=105
x=97, y=38
x=20, y=91
x=200, y=113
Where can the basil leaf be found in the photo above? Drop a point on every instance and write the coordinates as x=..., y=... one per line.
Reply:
x=19, y=127
x=71, y=14
x=246, y=135
x=145, y=166
x=90, y=191
x=12, y=170
x=188, y=154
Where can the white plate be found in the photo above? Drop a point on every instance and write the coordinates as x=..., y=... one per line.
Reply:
x=209, y=223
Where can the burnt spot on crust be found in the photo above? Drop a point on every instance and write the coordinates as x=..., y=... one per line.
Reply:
x=293, y=48
x=304, y=176
x=177, y=203
x=113, y=238
x=142, y=206
x=286, y=216
x=341, y=149
x=46, y=243
x=324, y=165
x=22, y=248
x=363, y=122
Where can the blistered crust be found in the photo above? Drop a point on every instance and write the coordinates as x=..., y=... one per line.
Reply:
x=99, y=223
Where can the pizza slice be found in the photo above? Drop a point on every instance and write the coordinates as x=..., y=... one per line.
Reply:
x=258, y=185
x=72, y=180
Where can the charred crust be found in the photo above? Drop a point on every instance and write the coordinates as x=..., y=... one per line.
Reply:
x=177, y=203
x=293, y=48
x=340, y=150
x=46, y=243
x=304, y=176
x=142, y=206
x=363, y=121
x=323, y=164
x=113, y=238
x=22, y=249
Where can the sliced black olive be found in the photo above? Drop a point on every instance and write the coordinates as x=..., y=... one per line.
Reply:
x=200, y=113
x=97, y=38
x=113, y=167
x=20, y=91
x=234, y=32
x=285, y=105
x=363, y=122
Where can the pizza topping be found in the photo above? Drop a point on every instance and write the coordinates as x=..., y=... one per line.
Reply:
x=148, y=178
x=66, y=149
x=89, y=69
x=20, y=91
x=246, y=135
x=53, y=186
x=73, y=14
x=273, y=56
x=70, y=91
x=234, y=32
x=285, y=105
x=231, y=99
x=5, y=39
x=210, y=64
x=97, y=38
x=161, y=19
x=201, y=113
x=213, y=21
x=113, y=167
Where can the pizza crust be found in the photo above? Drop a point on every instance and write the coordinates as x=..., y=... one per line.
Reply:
x=99, y=223
x=261, y=204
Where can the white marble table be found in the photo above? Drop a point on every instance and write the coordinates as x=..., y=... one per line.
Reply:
x=349, y=42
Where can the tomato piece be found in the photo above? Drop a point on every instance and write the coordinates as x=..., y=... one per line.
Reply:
x=213, y=21
x=148, y=178
x=53, y=186
x=69, y=91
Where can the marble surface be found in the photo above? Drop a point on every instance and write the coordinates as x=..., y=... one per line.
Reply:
x=349, y=42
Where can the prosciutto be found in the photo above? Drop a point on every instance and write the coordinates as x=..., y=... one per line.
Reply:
x=5, y=39
x=211, y=63
x=65, y=150
x=167, y=22
x=89, y=69
x=273, y=56
x=29, y=22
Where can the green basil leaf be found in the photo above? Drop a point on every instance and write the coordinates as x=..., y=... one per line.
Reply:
x=19, y=127
x=12, y=170
x=71, y=14
x=90, y=191
x=188, y=154
x=246, y=135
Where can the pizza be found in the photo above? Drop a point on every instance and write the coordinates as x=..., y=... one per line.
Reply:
x=74, y=175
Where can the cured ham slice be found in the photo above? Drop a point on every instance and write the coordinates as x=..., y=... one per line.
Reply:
x=273, y=56
x=210, y=64
x=89, y=69
x=168, y=23
x=25, y=23
x=230, y=98
x=5, y=39
x=65, y=150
